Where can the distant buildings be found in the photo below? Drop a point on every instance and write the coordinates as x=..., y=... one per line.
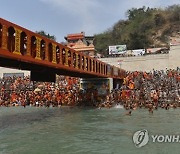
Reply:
x=81, y=43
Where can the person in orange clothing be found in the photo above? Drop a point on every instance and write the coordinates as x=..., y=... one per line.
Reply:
x=13, y=97
x=170, y=74
x=155, y=97
x=123, y=94
x=145, y=75
x=131, y=85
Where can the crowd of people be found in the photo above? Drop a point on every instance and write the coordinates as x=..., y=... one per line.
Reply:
x=139, y=90
x=147, y=90
x=18, y=91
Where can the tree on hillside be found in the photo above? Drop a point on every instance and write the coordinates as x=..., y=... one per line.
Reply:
x=43, y=33
x=174, y=12
x=159, y=19
x=134, y=13
x=138, y=41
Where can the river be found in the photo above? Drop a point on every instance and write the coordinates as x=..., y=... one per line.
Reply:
x=68, y=130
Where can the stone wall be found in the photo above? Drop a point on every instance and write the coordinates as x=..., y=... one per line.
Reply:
x=148, y=62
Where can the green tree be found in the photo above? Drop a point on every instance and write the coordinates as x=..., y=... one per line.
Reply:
x=138, y=41
x=174, y=11
x=159, y=19
x=43, y=33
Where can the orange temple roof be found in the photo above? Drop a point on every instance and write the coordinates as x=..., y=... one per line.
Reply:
x=75, y=36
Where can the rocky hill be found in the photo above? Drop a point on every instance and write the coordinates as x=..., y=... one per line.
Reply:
x=144, y=28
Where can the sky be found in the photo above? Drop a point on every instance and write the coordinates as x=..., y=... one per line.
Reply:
x=62, y=17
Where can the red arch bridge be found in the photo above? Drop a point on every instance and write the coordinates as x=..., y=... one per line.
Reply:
x=26, y=50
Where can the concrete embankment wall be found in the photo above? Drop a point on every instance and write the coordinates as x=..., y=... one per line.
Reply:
x=148, y=62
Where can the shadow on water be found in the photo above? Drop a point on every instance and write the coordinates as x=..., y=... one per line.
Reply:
x=26, y=115
x=29, y=115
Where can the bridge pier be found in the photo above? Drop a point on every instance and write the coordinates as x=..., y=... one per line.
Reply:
x=43, y=76
x=117, y=83
x=103, y=85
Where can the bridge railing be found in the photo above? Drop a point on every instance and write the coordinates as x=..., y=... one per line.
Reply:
x=31, y=46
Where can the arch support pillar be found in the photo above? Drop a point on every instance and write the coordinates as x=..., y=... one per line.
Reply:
x=54, y=53
x=38, y=48
x=17, y=41
x=4, y=37
x=28, y=46
x=66, y=57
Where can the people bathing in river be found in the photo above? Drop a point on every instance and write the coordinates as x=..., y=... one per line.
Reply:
x=129, y=113
x=149, y=90
x=139, y=90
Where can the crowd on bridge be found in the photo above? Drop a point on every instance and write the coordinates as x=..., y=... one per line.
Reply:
x=147, y=90
x=139, y=90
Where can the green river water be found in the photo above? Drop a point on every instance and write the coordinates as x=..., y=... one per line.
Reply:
x=67, y=130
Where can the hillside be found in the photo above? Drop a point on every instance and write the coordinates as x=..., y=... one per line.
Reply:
x=144, y=28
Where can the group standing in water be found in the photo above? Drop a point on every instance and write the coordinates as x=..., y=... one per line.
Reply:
x=149, y=90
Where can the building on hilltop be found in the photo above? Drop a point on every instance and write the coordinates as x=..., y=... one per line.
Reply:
x=81, y=43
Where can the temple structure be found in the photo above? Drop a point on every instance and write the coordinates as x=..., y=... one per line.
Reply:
x=81, y=43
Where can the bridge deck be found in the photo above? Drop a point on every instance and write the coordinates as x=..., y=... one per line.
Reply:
x=24, y=49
